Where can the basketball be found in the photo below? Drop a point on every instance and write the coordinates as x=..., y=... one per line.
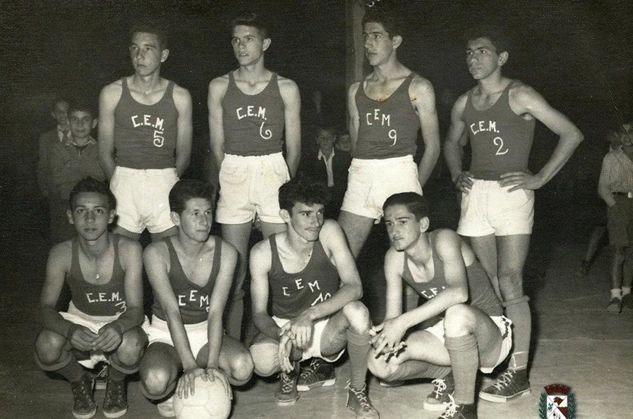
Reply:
x=208, y=402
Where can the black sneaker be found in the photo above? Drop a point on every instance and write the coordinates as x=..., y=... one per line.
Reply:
x=85, y=406
x=287, y=394
x=318, y=374
x=115, y=400
x=439, y=398
x=459, y=411
x=510, y=384
x=359, y=402
x=627, y=301
x=615, y=306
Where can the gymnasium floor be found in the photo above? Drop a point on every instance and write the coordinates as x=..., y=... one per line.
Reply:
x=576, y=341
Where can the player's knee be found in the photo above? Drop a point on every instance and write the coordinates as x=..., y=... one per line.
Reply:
x=156, y=381
x=242, y=367
x=379, y=368
x=264, y=356
x=130, y=351
x=357, y=316
x=458, y=320
x=49, y=347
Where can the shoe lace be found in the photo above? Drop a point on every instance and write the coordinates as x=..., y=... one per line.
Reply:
x=361, y=396
x=115, y=391
x=287, y=382
x=505, y=379
x=440, y=386
x=451, y=409
x=310, y=371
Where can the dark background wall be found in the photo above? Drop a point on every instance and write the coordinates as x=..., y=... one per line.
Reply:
x=577, y=53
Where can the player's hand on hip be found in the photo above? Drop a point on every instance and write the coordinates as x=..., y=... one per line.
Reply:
x=520, y=180
x=186, y=384
x=83, y=339
x=108, y=339
x=464, y=181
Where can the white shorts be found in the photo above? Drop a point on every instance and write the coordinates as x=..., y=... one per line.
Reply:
x=372, y=181
x=94, y=324
x=142, y=198
x=249, y=186
x=197, y=333
x=489, y=208
x=505, y=327
x=314, y=351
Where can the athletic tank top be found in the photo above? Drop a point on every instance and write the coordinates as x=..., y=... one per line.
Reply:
x=97, y=299
x=192, y=298
x=293, y=293
x=481, y=294
x=145, y=135
x=386, y=128
x=253, y=124
x=500, y=139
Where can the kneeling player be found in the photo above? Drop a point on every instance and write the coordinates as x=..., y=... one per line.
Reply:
x=103, y=320
x=473, y=334
x=315, y=290
x=191, y=275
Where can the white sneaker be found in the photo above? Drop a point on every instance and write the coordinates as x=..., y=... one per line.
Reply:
x=166, y=408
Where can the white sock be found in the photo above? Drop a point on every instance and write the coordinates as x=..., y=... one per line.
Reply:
x=617, y=293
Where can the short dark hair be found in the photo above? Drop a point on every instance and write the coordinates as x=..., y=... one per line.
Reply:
x=58, y=101
x=82, y=106
x=251, y=19
x=304, y=190
x=386, y=18
x=186, y=189
x=498, y=38
x=415, y=203
x=91, y=184
x=153, y=26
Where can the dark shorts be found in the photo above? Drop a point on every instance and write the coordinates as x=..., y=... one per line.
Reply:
x=620, y=222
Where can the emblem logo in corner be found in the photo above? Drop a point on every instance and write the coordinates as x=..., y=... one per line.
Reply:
x=558, y=402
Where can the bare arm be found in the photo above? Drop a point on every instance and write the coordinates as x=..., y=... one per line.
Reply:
x=394, y=262
x=108, y=100
x=156, y=262
x=423, y=96
x=354, y=119
x=182, y=101
x=260, y=264
x=292, y=115
x=604, y=184
x=217, y=90
x=527, y=100
x=219, y=297
x=453, y=146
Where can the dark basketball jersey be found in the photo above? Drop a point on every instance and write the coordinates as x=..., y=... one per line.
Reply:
x=386, y=128
x=145, y=135
x=192, y=298
x=253, y=124
x=97, y=299
x=294, y=293
x=481, y=294
x=500, y=139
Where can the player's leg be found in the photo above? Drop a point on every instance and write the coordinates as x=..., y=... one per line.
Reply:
x=235, y=360
x=123, y=362
x=356, y=228
x=616, y=269
x=169, y=232
x=351, y=325
x=627, y=279
x=238, y=235
x=595, y=242
x=485, y=248
x=268, y=229
x=512, y=253
x=159, y=371
x=124, y=232
x=53, y=352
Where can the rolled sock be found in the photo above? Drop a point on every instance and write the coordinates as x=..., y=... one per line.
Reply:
x=616, y=293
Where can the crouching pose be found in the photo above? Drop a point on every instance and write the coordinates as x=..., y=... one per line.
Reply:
x=315, y=287
x=103, y=320
x=473, y=333
x=191, y=274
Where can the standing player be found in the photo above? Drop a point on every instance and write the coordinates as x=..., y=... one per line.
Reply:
x=315, y=289
x=103, y=320
x=386, y=112
x=191, y=275
x=473, y=334
x=497, y=206
x=144, y=136
x=251, y=111
x=59, y=134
